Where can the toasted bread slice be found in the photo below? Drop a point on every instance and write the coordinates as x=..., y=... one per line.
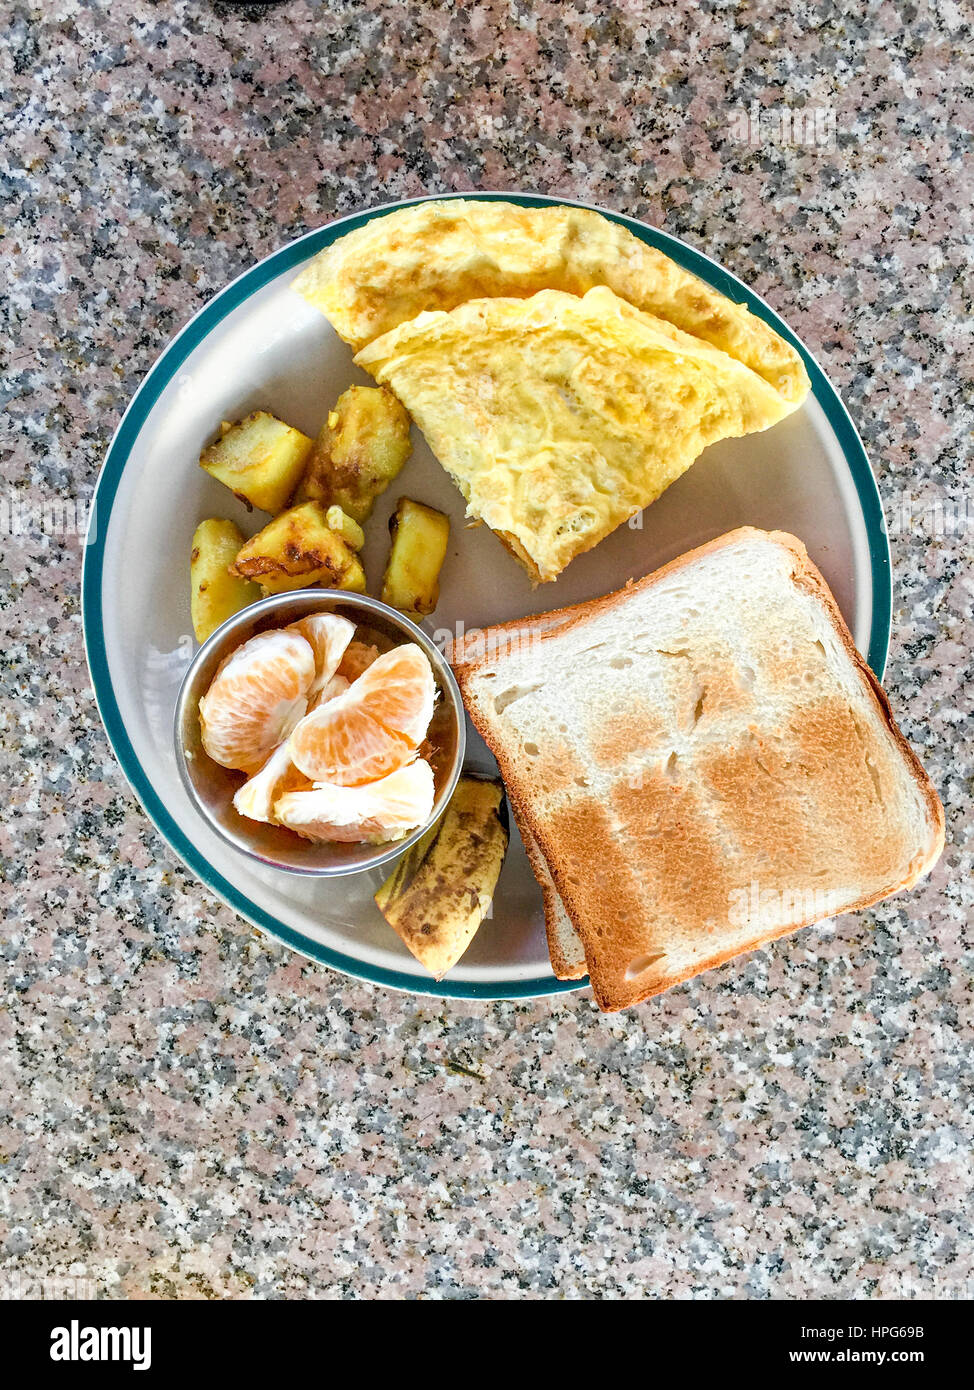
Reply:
x=438, y=254
x=704, y=760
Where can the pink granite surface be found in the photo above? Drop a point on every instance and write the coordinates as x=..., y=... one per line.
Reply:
x=186, y=1110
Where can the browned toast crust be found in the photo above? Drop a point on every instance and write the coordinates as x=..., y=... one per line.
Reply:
x=564, y=968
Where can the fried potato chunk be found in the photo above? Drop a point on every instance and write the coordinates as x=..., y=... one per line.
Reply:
x=299, y=550
x=215, y=593
x=419, y=540
x=364, y=444
x=260, y=460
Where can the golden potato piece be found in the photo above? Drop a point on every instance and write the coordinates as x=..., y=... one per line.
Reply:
x=260, y=460
x=215, y=593
x=442, y=888
x=419, y=540
x=364, y=444
x=298, y=550
x=349, y=530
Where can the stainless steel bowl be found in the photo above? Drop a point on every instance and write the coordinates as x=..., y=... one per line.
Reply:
x=211, y=787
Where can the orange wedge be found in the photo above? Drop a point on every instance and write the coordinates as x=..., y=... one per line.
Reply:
x=373, y=814
x=398, y=689
x=256, y=798
x=256, y=698
x=341, y=742
x=372, y=729
x=329, y=636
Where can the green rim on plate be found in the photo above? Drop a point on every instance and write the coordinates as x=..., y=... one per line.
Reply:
x=157, y=380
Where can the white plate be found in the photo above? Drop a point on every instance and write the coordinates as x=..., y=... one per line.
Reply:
x=257, y=345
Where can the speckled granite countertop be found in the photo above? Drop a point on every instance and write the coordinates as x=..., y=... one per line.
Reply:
x=189, y=1111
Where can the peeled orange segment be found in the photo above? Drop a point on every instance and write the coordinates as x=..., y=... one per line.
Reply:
x=399, y=691
x=335, y=687
x=373, y=814
x=256, y=798
x=341, y=742
x=329, y=636
x=256, y=698
x=374, y=727
x=358, y=657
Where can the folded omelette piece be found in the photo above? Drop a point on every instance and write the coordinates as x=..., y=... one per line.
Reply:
x=701, y=762
x=441, y=253
x=560, y=417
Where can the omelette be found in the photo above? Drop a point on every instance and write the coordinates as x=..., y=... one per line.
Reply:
x=441, y=254
x=559, y=416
